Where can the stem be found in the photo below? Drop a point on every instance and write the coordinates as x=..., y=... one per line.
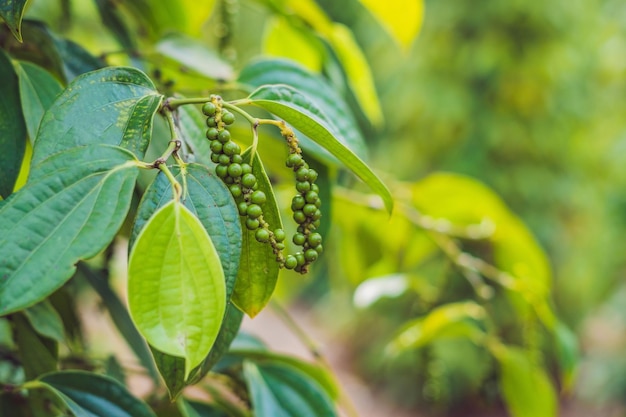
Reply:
x=176, y=190
x=344, y=399
x=232, y=106
x=172, y=103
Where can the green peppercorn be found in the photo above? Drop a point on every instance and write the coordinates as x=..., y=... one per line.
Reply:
x=231, y=148
x=221, y=171
x=315, y=188
x=299, y=217
x=216, y=146
x=280, y=246
x=311, y=197
x=258, y=197
x=300, y=258
x=299, y=239
x=209, y=109
x=312, y=175
x=317, y=215
x=309, y=210
x=247, y=169
x=262, y=235
x=234, y=170
x=235, y=190
x=310, y=255
x=254, y=211
x=223, y=136
x=243, y=208
x=215, y=157
x=279, y=235
x=318, y=203
x=236, y=158
x=303, y=186
x=291, y=262
x=227, y=117
x=293, y=160
x=252, y=224
x=211, y=122
x=319, y=248
x=248, y=180
x=314, y=239
x=224, y=160
x=297, y=202
x=211, y=133
x=302, y=174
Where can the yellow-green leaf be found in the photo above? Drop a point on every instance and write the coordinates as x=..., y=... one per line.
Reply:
x=401, y=18
x=284, y=40
x=176, y=290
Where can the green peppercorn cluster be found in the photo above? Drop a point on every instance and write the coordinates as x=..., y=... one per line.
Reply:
x=243, y=185
x=305, y=207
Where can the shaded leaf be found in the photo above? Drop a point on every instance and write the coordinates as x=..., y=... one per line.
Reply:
x=45, y=320
x=176, y=289
x=452, y=320
x=112, y=18
x=71, y=209
x=115, y=106
x=319, y=91
x=12, y=12
x=298, y=110
x=401, y=18
x=38, y=90
x=258, y=269
x=526, y=388
x=567, y=353
x=192, y=124
x=228, y=331
x=281, y=390
x=91, y=395
x=76, y=59
x=12, y=127
x=198, y=409
x=38, y=354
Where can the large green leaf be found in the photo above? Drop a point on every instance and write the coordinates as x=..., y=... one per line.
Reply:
x=453, y=320
x=526, y=388
x=12, y=12
x=12, y=127
x=113, y=105
x=258, y=269
x=278, y=390
x=38, y=89
x=91, y=395
x=176, y=288
x=298, y=110
x=45, y=320
x=320, y=92
x=70, y=210
x=76, y=59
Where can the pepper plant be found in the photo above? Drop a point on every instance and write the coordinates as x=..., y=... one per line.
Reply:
x=161, y=149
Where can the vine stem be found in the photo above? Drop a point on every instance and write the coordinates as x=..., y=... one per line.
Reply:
x=345, y=400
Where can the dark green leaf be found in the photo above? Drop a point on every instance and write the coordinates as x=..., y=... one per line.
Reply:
x=320, y=92
x=12, y=11
x=198, y=409
x=172, y=369
x=208, y=199
x=12, y=127
x=298, y=110
x=114, y=369
x=568, y=353
x=228, y=331
x=121, y=318
x=76, y=59
x=70, y=210
x=38, y=90
x=91, y=395
x=38, y=354
x=112, y=17
x=258, y=269
x=281, y=390
x=115, y=106
x=45, y=320
x=193, y=128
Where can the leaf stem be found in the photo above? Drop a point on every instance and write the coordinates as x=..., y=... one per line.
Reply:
x=176, y=189
x=233, y=107
x=172, y=103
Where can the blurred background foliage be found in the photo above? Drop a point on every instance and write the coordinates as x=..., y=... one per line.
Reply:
x=526, y=97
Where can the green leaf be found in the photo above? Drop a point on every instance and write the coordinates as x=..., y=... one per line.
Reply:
x=76, y=59
x=12, y=12
x=38, y=89
x=198, y=409
x=258, y=269
x=90, y=395
x=230, y=327
x=113, y=105
x=358, y=72
x=193, y=130
x=318, y=91
x=176, y=289
x=38, y=354
x=298, y=110
x=567, y=353
x=70, y=210
x=112, y=18
x=453, y=320
x=279, y=390
x=12, y=127
x=195, y=56
x=282, y=39
x=45, y=320
x=121, y=318
x=402, y=19
x=526, y=388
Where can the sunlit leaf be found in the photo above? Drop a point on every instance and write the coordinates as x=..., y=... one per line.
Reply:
x=113, y=105
x=284, y=40
x=89, y=395
x=401, y=18
x=258, y=269
x=12, y=12
x=374, y=289
x=176, y=288
x=38, y=90
x=71, y=209
x=281, y=390
x=295, y=108
x=526, y=388
x=12, y=127
x=453, y=320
